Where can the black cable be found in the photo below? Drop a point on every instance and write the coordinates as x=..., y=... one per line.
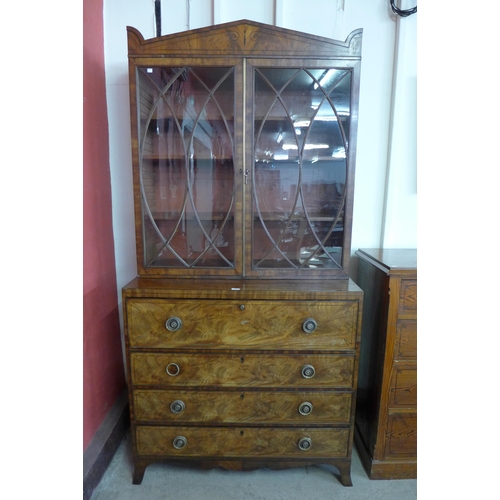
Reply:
x=403, y=13
x=158, y=17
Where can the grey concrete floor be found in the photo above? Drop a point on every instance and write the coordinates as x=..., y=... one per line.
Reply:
x=165, y=481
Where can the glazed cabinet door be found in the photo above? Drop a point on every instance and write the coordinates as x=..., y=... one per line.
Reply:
x=302, y=120
x=244, y=153
x=187, y=194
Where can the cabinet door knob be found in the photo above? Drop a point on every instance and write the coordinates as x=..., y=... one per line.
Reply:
x=179, y=442
x=305, y=443
x=173, y=369
x=173, y=324
x=177, y=406
x=305, y=408
x=308, y=371
x=309, y=325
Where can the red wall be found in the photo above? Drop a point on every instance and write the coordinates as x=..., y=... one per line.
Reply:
x=103, y=373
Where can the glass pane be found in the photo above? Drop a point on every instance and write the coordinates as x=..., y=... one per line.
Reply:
x=186, y=141
x=301, y=129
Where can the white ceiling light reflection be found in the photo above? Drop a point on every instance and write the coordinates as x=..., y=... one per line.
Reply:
x=339, y=153
x=280, y=156
x=326, y=76
x=307, y=146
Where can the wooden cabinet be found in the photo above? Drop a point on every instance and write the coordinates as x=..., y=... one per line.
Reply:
x=242, y=328
x=252, y=374
x=386, y=415
x=244, y=141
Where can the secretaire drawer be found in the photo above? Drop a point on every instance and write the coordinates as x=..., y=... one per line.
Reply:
x=242, y=370
x=242, y=442
x=242, y=324
x=278, y=407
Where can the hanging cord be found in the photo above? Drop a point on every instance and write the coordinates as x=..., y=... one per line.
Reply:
x=158, y=17
x=403, y=13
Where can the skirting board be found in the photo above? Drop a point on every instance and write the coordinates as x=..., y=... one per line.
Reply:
x=103, y=446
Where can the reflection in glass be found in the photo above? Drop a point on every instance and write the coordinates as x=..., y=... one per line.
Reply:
x=301, y=128
x=186, y=142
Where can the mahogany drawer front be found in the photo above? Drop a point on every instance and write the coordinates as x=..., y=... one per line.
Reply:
x=403, y=385
x=406, y=339
x=241, y=442
x=242, y=370
x=408, y=297
x=401, y=436
x=242, y=324
x=325, y=407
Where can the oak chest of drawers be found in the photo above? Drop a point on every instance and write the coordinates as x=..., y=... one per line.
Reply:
x=242, y=374
x=386, y=415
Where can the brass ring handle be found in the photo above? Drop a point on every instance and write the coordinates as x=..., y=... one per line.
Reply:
x=173, y=369
x=305, y=443
x=305, y=408
x=179, y=442
x=177, y=406
x=308, y=371
x=173, y=324
x=309, y=325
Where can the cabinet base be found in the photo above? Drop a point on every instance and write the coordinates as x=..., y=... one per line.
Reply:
x=343, y=466
x=384, y=469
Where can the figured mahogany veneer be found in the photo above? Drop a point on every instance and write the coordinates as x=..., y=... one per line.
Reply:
x=243, y=405
x=242, y=330
x=386, y=415
x=259, y=324
x=242, y=370
x=243, y=442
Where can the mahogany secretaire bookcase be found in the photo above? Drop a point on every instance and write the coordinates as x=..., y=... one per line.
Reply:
x=242, y=328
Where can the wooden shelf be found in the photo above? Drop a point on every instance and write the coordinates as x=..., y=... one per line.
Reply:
x=160, y=157
x=277, y=216
x=189, y=216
